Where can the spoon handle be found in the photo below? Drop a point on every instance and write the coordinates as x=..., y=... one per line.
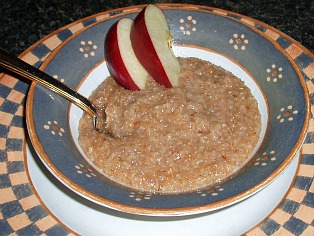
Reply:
x=27, y=71
x=22, y=68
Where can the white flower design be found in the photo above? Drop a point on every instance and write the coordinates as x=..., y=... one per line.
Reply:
x=88, y=48
x=239, y=42
x=188, y=25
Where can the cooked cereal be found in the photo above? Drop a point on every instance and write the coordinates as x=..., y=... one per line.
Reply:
x=174, y=139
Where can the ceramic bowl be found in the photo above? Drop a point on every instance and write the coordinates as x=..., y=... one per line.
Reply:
x=224, y=38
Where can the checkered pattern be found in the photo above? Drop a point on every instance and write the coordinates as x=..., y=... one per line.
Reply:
x=295, y=215
x=22, y=213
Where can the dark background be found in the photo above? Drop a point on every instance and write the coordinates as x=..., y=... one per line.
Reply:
x=24, y=22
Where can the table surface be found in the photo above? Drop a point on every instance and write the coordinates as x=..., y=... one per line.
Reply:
x=25, y=22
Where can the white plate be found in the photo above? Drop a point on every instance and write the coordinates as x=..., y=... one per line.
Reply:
x=87, y=218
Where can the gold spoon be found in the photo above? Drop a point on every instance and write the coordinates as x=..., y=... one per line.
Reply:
x=16, y=65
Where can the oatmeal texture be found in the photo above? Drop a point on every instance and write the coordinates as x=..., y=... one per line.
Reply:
x=169, y=140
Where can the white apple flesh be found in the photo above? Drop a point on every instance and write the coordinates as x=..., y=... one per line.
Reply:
x=122, y=62
x=151, y=40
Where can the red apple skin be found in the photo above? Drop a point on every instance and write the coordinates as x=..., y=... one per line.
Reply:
x=145, y=50
x=115, y=62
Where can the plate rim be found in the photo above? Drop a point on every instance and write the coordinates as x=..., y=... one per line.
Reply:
x=295, y=174
x=181, y=210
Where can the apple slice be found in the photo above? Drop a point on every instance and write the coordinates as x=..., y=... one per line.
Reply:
x=152, y=41
x=122, y=62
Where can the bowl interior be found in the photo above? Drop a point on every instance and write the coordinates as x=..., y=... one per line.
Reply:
x=221, y=37
x=92, y=79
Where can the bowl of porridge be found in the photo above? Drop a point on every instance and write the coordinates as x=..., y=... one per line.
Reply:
x=235, y=122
